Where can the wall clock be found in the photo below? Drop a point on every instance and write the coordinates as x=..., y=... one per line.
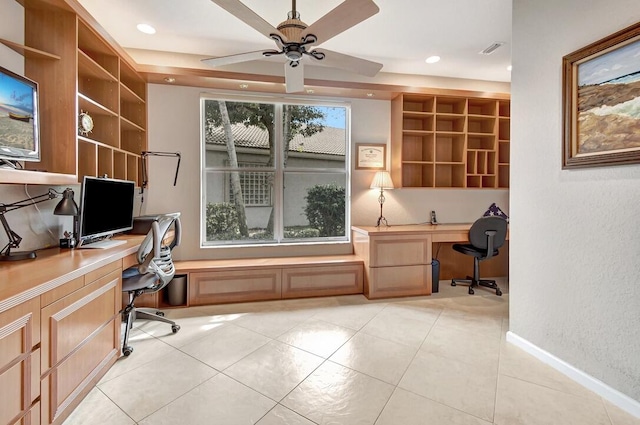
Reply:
x=85, y=123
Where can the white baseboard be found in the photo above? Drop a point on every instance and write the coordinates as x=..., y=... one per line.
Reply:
x=613, y=396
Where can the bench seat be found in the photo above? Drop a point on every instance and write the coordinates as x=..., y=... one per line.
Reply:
x=257, y=279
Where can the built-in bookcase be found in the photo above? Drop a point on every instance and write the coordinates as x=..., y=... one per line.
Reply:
x=450, y=141
x=79, y=71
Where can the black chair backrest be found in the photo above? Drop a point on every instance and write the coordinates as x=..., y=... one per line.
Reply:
x=478, y=232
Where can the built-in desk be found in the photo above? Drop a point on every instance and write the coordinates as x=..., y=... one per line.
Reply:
x=59, y=329
x=397, y=259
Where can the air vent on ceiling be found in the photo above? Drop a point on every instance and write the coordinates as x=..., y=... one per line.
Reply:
x=492, y=48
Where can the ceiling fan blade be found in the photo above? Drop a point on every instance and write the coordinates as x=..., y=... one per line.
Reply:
x=228, y=60
x=249, y=17
x=349, y=63
x=294, y=77
x=343, y=17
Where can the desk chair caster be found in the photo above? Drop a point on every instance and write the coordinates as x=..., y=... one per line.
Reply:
x=127, y=350
x=175, y=328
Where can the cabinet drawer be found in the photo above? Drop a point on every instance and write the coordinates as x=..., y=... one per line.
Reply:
x=234, y=286
x=102, y=271
x=321, y=281
x=400, y=251
x=398, y=281
x=70, y=381
x=23, y=377
x=70, y=322
x=32, y=417
x=19, y=331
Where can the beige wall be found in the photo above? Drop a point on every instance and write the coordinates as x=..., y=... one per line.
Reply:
x=575, y=234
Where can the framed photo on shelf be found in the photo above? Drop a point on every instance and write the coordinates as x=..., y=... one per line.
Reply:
x=601, y=102
x=371, y=156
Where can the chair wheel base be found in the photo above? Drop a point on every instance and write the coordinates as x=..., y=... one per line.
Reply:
x=160, y=313
x=471, y=291
x=127, y=350
x=175, y=328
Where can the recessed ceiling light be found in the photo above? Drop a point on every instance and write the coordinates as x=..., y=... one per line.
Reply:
x=146, y=28
x=509, y=68
x=432, y=59
x=244, y=86
x=369, y=94
x=170, y=80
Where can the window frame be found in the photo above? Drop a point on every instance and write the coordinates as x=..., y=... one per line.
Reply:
x=277, y=196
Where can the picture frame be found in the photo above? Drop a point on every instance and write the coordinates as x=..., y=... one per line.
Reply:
x=601, y=102
x=371, y=156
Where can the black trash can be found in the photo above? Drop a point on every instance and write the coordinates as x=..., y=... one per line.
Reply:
x=435, y=275
x=177, y=290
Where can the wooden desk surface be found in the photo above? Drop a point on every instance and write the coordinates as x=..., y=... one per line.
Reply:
x=25, y=279
x=453, y=232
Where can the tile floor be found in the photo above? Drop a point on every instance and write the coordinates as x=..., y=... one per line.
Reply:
x=340, y=360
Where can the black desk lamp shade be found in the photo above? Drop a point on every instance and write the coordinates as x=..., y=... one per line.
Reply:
x=65, y=207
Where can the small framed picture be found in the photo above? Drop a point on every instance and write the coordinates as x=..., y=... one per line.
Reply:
x=371, y=156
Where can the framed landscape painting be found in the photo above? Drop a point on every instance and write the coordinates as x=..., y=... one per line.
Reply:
x=601, y=102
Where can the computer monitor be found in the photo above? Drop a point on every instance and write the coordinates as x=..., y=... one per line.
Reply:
x=106, y=208
x=19, y=126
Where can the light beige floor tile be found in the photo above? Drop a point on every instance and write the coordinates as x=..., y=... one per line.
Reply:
x=406, y=408
x=97, y=405
x=376, y=357
x=523, y=403
x=287, y=367
x=349, y=316
x=334, y=394
x=220, y=400
x=273, y=323
x=145, y=389
x=317, y=337
x=191, y=328
x=489, y=326
x=619, y=416
x=280, y=415
x=517, y=363
x=453, y=343
x=457, y=384
x=223, y=347
x=146, y=348
x=402, y=324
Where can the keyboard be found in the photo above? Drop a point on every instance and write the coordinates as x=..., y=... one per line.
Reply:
x=104, y=244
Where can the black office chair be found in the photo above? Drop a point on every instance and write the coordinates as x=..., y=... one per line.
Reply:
x=486, y=235
x=154, y=271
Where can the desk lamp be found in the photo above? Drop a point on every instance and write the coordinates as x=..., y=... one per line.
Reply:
x=66, y=206
x=382, y=180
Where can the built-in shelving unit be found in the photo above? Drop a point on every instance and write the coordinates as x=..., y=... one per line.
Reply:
x=77, y=70
x=450, y=141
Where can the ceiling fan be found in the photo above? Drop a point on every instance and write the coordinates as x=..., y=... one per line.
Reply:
x=295, y=39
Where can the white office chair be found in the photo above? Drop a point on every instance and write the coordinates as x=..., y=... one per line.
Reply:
x=154, y=271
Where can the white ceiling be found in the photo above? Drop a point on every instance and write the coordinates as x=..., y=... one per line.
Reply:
x=401, y=36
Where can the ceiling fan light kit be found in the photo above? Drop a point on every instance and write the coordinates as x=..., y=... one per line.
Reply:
x=294, y=39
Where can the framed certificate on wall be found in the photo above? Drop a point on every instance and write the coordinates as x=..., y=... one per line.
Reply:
x=371, y=156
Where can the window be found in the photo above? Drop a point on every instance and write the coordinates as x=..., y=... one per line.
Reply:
x=274, y=172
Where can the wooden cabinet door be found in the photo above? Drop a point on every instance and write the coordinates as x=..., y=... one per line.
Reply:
x=81, y=334
x=19, y=362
